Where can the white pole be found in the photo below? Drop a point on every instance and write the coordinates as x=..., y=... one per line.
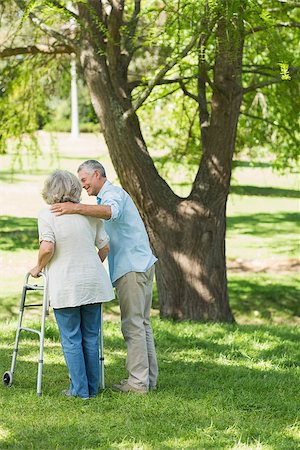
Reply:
x=74, y=99
x=74, y=96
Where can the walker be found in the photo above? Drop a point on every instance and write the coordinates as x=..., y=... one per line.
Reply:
x=8, y=375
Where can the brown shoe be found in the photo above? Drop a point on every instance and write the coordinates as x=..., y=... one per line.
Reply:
x=124, y=386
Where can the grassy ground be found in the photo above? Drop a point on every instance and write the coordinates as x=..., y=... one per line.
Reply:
x=220, y=386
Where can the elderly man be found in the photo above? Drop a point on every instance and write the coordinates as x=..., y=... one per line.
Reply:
x=131, y=267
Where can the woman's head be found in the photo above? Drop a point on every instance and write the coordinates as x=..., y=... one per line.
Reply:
x=61, y=186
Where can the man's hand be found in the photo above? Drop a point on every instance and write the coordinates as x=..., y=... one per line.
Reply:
x=103, y=252
x=63, y=208
x=100, y=211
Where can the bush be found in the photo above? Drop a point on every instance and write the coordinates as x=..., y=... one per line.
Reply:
x=64, y=126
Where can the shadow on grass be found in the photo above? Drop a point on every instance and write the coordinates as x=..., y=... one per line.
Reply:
x=263, y=294
x=240, y=163
x=18, y=233
x=264, y=191
x=267, y=299
x=264, y=224
x=21, y=175
x=255, y=191
x=230, y=343
x=218, y=396
x=10, y=305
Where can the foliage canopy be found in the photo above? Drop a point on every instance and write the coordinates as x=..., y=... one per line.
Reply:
x=37, y=38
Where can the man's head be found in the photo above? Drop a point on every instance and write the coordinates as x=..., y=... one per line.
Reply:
x=92, y=176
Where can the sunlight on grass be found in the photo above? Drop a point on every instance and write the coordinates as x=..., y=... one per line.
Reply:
x=220, y=386
x=4, y=434
x=293, y=431
x=245, y=173
x=253, y=446
x=256, y=235
x=203, y=401
x=256, y=298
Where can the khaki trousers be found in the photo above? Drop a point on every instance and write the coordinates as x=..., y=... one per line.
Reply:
x=134, y=291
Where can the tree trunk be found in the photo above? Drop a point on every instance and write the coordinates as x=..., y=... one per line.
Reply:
x=187, y=235
x=191, y=275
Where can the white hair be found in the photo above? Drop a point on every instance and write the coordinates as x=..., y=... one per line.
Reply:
x=61, y=186
x=91, y=165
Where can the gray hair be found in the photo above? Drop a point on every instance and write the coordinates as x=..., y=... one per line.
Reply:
x=91, y=165
x=61, y=186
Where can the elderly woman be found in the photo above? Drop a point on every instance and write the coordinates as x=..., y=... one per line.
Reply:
x=77, y=280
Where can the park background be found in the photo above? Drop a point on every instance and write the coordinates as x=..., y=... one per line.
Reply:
x=221, y=385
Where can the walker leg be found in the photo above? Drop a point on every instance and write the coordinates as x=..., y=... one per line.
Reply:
x=42, y=337
x=15, y=351
x=8, y=375
x=101, y=355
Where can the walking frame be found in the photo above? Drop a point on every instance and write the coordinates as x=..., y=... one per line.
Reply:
x=9, y=374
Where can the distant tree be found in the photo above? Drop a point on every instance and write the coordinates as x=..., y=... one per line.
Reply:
x=228, y=57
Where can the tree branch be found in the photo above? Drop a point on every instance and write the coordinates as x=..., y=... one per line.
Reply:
x=190, y=130
x=186, y=92
x=159, y=75
x=131, y=27
x=69, y=12
x=36, y=49
x=266, y=71
x=274, y=80
x=289, y=3
x=256, y=86
x=277, y=25
x=44, y=27
x=271, y=72
x=270, y=122
x=202, y=99
x=134, y=84
x=115, y=20
x=94, y=16
x=160, y=97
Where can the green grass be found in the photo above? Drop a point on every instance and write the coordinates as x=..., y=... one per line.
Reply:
x=18, y=233
x=258, y=191
x=262, y=298
x=263, y=235
x=220, y=386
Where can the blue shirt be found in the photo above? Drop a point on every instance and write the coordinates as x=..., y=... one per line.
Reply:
x=129, y=243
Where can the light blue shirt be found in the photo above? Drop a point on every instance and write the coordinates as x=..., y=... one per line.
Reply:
x=129, y=243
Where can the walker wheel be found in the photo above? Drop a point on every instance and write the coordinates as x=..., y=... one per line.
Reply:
x=7, y=378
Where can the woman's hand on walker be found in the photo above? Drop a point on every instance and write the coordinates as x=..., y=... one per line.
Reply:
x=35, y=272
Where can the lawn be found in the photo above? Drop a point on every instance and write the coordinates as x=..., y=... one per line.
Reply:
x=220, y=386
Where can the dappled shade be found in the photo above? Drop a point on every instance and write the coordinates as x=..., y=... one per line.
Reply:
x=18, y=233
x=226, y=386
x=264, y=191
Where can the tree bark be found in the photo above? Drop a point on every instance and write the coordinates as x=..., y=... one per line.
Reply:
x=187, y=235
